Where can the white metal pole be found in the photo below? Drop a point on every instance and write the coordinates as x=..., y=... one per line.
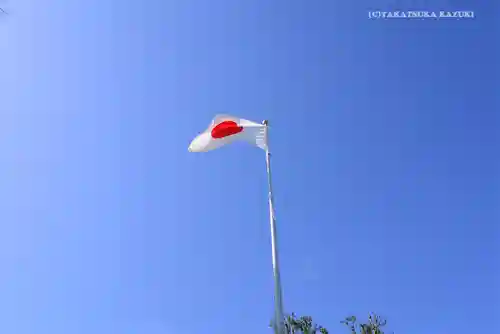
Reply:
x=278, y=299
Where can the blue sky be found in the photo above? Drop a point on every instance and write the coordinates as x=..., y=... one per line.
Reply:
x=385, y=163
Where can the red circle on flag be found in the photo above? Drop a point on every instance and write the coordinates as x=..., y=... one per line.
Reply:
x=226, y=129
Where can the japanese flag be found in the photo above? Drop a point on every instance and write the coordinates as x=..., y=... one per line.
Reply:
x=226, y=129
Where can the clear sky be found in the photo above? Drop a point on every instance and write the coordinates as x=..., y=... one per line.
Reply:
x=385, y=161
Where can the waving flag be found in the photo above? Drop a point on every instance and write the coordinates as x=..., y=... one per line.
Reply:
x=226, y=129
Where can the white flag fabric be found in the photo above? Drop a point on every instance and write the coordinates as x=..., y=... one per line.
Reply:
x=226, y=129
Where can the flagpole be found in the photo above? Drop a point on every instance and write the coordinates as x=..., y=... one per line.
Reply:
x=278, y=298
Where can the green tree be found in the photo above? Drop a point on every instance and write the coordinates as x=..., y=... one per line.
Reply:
x=306, y=325
x=373, y=326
